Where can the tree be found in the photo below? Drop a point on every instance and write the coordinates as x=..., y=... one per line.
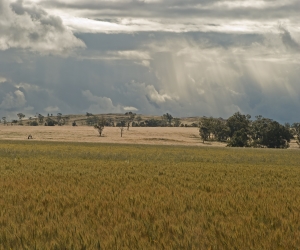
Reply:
x=296, y=132
x=204, y=130
x=100, y=125
x=121, y=125
x=237, y=122
x=50, y=122
x=268, y=133
x=168, y=118
x=138, y=119
x=153, y=123
x=204, y=133
x=239, y=139
x=220, y=130
x=177, y=122
x=4, y=120
x=33, y=123
x=21, y=116
x=239, y=130
x=41, y=119
x=131, y=117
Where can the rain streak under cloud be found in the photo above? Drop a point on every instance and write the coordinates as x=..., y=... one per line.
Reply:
x=188, y=58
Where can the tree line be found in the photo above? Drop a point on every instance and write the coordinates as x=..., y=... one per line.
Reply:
x=237, y=131
x=39, y=119
x=240, y=131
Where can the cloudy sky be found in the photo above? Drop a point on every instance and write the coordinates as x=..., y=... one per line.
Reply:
x=185, y=57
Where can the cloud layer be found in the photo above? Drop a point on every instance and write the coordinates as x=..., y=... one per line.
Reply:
x=30, y=27
x=187, y=58
x=175, y=16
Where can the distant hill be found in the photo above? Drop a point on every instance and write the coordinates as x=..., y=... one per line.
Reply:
x=82, y=119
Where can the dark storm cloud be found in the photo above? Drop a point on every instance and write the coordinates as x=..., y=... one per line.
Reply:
x=198, y=74
x=239, y=57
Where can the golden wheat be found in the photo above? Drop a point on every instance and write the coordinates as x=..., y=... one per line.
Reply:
x=92, y=196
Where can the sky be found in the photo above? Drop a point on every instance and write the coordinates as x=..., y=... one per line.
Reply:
x=184, y=57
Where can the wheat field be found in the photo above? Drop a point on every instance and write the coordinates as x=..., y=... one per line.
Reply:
x=64, y=195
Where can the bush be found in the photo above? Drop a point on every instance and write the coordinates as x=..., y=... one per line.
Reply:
x=33, y=123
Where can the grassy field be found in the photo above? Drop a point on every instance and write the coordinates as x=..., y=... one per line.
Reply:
x=56, y=195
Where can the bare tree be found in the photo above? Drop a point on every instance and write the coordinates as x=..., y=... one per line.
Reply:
x=4, y=120
x=100, y=125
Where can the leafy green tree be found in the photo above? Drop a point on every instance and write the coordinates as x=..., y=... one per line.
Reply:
x=204, y=133
x=237, y=122
x=220, y=130
x=268, y=133
x=33, y=123
x=50, y=122
x=204, y=128
x=239, y=130
x=213, y=129
x=153, y=123
x=296, y=132
x=239, y=139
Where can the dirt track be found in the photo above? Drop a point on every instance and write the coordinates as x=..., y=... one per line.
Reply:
x=135, y=135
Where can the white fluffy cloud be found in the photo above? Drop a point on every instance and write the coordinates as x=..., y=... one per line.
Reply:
x=13, y=100
x=30, y=27
x=130, y=109
x=156, y=97
x=101, y=104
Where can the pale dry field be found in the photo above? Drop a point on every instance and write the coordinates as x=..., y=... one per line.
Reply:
x=135, y=135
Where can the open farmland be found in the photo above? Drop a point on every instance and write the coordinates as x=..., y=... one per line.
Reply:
x=63, y=195
x=137, y=135
x=146, y=135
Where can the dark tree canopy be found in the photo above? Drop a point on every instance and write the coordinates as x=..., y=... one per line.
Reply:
x=240, y=131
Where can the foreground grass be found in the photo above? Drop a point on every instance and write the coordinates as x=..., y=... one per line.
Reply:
x=92, y=196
